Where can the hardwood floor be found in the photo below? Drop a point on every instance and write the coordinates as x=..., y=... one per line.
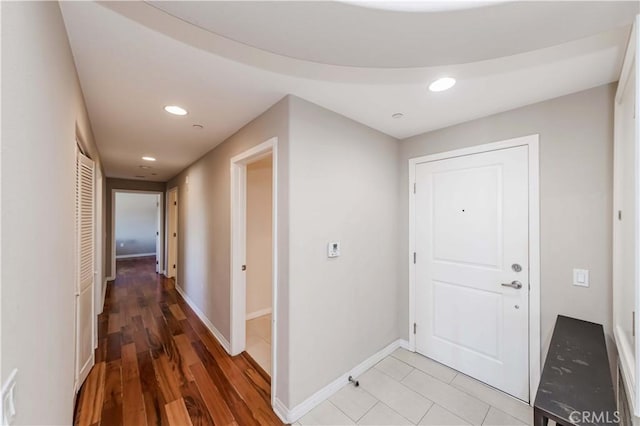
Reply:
x=157, y=364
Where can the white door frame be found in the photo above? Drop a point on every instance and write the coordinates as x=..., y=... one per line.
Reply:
x=99, y=282
x=167, y=262
x=238, y=250
x=531, y=142
x=159, y=238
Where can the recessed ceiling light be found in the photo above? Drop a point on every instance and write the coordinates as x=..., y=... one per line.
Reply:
x=144, y=167
x=397, y=115
x=148, y=159
x=442, y=84
x=175, y=110
x=198, y=126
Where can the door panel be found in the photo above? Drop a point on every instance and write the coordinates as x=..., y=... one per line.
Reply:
x=172, y=245
x=452, y=324
x=158, y=234
x=466, y=221
x=471, y=216
x=85, y=230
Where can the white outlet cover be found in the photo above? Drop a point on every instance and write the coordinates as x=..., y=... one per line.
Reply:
x=581, y=277
x=9, y=398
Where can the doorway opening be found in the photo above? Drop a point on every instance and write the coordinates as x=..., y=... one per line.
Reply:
x=254, y=256
x=137, y=227
x=474, y=263
x=259, y=256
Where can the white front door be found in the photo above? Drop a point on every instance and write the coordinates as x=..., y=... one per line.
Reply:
x=471, y=242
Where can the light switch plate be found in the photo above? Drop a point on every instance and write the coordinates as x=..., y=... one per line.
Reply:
x=8, y=398
x=581, y=277
x=333, y=249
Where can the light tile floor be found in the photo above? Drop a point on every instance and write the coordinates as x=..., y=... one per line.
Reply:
x=259, y=341
x=409, y=389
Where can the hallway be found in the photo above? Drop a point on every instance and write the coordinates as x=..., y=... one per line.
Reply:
x=156, y=363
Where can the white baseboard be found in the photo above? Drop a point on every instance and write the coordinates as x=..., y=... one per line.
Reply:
x=104, y=294
x=216, y=333
x=110, y=278
x=129, y=256
x=292, y=415
x=281, y=411
x=259, y=313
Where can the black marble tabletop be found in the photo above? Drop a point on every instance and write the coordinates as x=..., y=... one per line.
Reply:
x=576, y=377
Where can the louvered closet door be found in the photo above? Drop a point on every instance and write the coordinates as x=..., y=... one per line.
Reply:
x=85, y=263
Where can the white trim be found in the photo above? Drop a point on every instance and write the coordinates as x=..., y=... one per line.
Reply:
x=627, y=64
x=128, y=256
x=113, y=225
x=216, y=333
x=258, y=314
x=110, y=278
x=104, y=291
x=629, y=363
x=626, y=360
x=532, y=142
x=238, y=251
x=290, y=416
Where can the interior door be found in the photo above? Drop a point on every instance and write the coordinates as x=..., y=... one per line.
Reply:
x=471, y=267
x=172, y=246
x=85, y=232
x=158, y=234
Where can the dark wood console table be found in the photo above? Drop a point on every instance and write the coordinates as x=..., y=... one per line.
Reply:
x=576, y=387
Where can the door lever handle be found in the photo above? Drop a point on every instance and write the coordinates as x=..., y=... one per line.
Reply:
x=513, y=284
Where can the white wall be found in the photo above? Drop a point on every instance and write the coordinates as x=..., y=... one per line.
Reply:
x=576, y=180
x=259, y=238
x=136, y=223
x=43, y=113
x=344, y=180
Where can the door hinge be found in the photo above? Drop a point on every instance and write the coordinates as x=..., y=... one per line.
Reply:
x=174, y=266
x=157, y=233
x=175, y=235
x=633, y=324
x=414, y=257
x=156, y=262
x=619, y=214
x=414, y=187
x=175, y=203
x=414, y=328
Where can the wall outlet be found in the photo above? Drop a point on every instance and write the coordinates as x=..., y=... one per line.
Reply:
x=333, y=249
x=581, y=277
x=9, y=398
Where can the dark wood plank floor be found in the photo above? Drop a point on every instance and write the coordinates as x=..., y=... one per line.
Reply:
x=157, y=364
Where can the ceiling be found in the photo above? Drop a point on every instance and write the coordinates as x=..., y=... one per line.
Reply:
x=344, y=34
x=227, y=62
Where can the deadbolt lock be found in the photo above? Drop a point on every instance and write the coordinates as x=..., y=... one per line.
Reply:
x=516, y=267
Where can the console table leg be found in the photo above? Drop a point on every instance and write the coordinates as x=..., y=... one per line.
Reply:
x=539, y=419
